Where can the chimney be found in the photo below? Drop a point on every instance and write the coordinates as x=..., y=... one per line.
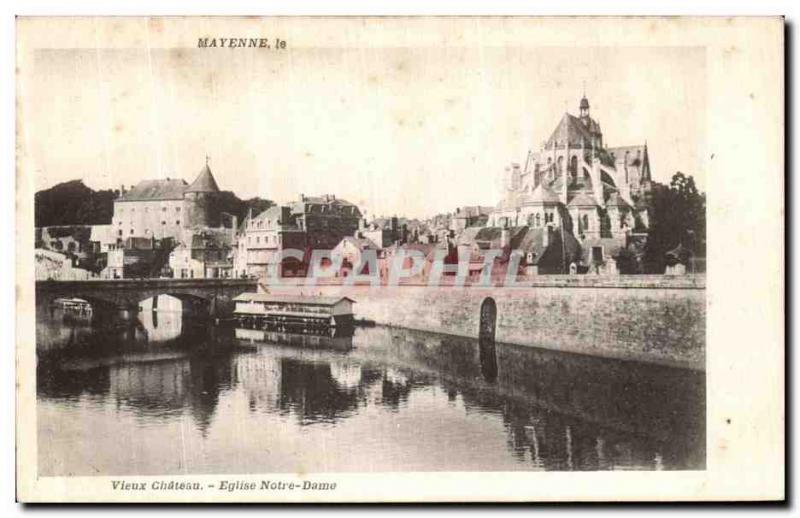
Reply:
x=302, y=197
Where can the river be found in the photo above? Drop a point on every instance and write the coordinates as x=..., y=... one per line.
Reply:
x=166, y=395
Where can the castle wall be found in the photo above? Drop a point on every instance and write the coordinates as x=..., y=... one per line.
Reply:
x=158, y=218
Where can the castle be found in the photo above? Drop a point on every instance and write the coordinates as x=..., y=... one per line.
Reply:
x=576, y=183
x=160, y=209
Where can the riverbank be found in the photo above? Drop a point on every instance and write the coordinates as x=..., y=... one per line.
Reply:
x=654, y=320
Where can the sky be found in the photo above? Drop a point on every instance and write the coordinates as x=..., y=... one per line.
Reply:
x=397, y=129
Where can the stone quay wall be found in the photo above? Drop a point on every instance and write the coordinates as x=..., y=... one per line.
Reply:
x=663, y=323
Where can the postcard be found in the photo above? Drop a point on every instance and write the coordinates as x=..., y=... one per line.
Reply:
x=400, y=259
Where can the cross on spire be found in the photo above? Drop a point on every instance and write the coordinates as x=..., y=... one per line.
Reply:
x=208, y=158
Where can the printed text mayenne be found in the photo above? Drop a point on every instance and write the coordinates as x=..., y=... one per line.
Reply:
x=241, y=43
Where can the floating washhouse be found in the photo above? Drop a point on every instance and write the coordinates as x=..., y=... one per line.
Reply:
x=264, y=309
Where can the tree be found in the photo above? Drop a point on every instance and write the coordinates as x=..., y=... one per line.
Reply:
x=677, y=217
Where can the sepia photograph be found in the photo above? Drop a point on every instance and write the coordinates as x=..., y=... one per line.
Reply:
x=262, y=255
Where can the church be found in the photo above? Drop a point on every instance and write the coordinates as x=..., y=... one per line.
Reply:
x=577, y=186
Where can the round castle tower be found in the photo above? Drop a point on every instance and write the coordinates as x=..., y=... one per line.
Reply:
x=201, y=197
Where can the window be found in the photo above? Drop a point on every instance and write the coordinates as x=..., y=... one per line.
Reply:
x=163, y=222
x=177, y=222
x=120, y=231
x=585, y=222
x=163, y=209
x=131, y=231
x=177, y=209
x=538, y=220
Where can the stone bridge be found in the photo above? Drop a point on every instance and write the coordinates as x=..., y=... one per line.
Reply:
x=211, y=296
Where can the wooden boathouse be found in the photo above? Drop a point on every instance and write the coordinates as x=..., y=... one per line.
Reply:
x=265, y=310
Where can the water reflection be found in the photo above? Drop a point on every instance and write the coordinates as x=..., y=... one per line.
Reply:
x=192, y=398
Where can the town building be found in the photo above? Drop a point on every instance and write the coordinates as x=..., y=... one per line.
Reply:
x=470, y=216
x=207, y=253
x=311, y=223
x=261, y=240
x=351, y=252
x=55, y=266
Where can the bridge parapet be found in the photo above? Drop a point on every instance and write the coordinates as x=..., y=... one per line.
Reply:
x=129, y=293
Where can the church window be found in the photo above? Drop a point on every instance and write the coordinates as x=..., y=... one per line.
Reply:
x=131, y=231
x=573, y=167
x=177, y=222
x=538, y=220
x=585, y=222
x=119, y=232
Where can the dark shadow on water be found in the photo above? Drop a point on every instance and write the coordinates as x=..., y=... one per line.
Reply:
x=558, y=411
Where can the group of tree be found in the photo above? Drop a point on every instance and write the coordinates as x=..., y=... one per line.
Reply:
x=677, y=222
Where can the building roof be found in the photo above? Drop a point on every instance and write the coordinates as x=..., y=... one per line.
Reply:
x=209, y=238
x=615, y=200
x=542, y=194
x=291, y=299
x=571, y=130
x=307, y=204
x=631, y=153
x=362, y=243
x=155, y=190
x=472, y=211
x=582, y=199
x=273, y=217
x=204, y=182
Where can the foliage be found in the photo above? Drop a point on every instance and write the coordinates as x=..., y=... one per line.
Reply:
x=677, y=217
x=72, y=203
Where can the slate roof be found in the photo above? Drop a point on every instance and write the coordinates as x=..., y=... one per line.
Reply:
x=204, y=182
x=361, y=243
x=619, y=154
x=582, y=199
x=155, y=190
x=570, y=129
x=291, y=299
x=615, y=200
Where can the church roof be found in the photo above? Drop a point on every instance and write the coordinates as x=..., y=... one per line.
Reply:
x=571, y=130
x=544, y=195
x=615, y=200
x=204, y=182
x=154, y=190
x=582, y=199
x=633, y=152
